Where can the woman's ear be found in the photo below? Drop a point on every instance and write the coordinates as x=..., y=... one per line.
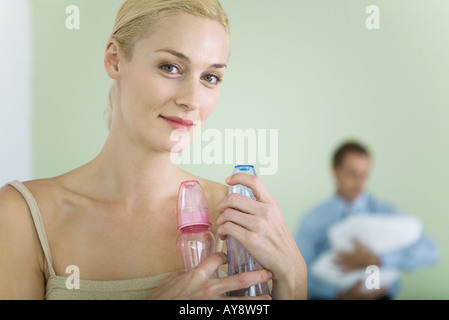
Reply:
x=112, y=60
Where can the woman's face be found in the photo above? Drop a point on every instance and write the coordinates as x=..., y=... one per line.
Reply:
x=172, y=80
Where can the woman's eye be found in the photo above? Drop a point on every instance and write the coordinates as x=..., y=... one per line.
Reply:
x=170, y=68
x=212, y=79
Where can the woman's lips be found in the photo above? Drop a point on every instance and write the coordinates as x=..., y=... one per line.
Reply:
x=178, y=123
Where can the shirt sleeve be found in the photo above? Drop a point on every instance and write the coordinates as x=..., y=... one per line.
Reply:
x=421, y=254
x=320, y=290
x=308, y=241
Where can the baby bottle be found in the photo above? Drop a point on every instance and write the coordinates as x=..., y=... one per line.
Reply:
x=195, y=242
x=239, y=259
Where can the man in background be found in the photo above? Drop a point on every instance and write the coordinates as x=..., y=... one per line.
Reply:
x=351, y=167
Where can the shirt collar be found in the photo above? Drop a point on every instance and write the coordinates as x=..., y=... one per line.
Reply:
x=351, y=206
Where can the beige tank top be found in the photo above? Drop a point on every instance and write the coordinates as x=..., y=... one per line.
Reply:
x=57, y=288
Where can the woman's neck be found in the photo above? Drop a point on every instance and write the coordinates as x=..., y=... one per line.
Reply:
x=132, y=175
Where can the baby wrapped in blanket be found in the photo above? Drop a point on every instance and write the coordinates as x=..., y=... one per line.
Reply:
x=381, y=233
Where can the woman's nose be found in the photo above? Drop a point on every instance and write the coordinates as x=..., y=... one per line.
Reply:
x=189, y=94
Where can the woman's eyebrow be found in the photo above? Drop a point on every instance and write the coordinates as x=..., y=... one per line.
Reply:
x=176, y=54
x=218, y=65
x=187, y=59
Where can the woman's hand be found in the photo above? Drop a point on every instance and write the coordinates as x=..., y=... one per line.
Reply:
x=261, y=228
x=200, y=282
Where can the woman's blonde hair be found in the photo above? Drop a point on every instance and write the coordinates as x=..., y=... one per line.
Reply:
x=136, y=19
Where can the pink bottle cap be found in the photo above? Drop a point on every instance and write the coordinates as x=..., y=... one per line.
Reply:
x=192, y=205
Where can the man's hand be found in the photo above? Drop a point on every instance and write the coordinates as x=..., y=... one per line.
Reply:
x=359, y=258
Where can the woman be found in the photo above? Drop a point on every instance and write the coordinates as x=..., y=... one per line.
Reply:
x=114, y=219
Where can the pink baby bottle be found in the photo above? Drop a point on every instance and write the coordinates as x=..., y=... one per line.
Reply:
x=195, y=242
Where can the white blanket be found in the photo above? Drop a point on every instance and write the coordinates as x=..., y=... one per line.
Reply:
x=381, y=233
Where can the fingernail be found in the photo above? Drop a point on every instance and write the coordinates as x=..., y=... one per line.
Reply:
x=228, y=179
x=270, y=275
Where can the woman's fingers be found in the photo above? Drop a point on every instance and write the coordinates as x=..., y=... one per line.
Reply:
x=226, y=226
x=239, y=232
x=258, y=188
x=218, y=287
x=235, y=282
x=243, y=280
x=238, y=202
x=201, y=283
x=237, y=217
x=211, y=264
x=238, y=213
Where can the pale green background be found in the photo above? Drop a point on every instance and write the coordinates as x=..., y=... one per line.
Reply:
x=310, y=69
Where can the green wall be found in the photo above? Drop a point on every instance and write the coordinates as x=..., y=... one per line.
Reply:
x=309, y=69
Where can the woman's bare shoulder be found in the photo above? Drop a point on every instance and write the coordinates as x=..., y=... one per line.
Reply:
x=39, y=187
x=11, y=201
x=13, y=206
x=22, y=259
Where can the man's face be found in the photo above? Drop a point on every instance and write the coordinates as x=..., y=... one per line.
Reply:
x=351, y=176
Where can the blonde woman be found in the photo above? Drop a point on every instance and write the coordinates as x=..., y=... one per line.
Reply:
x=114, y=219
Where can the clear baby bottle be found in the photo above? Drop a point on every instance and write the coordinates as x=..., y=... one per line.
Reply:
x=239, y=259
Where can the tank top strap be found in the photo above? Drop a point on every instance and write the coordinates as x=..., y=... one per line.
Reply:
x=38, y=223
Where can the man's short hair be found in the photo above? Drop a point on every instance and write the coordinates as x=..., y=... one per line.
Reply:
x=345, y=148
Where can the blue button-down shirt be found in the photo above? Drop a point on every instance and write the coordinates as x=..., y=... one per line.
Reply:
x=312, y=240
